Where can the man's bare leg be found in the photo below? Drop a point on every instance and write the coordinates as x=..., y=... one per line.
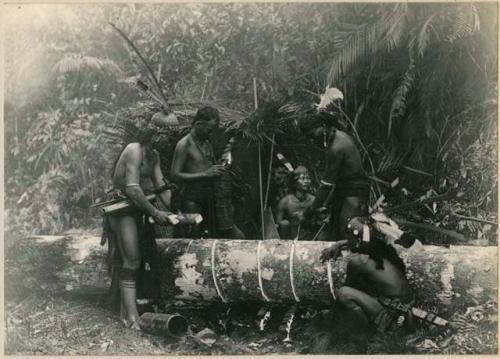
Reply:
x=361, y=305
x=128, y=244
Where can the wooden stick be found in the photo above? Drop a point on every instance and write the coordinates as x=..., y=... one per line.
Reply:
x=467, y=218
x=440, y=197
x=269, y=170
x=376, y=179
x=158, y=75
x=429, y=227
x=150, y=72
x=260, y=194
x=417, y=171
x=256, y=106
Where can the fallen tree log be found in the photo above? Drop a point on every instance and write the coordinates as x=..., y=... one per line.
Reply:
x=445, y=278
x=287, y=271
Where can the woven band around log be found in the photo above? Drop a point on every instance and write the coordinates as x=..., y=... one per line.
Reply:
x=330, y=278
x=292, y=285
x=214, y=276
x=189, y=245
x=259, y=274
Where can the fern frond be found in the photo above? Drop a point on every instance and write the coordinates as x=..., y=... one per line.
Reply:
x=76, y=63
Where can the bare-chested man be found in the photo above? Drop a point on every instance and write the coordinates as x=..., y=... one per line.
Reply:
x=376, y=282
x=292, y=205
x=194, y=167
x=344, y=185
x=136, y=172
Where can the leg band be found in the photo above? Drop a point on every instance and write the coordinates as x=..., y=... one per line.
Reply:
x=128, y=274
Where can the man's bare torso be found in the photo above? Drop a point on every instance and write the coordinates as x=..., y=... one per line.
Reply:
x=352, y=164
x=146, y=168
x=199, y=154
x=293, y=205
x=389, y=281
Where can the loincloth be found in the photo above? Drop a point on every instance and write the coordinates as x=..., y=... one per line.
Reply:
x=352, y=187
x=148, y=275
x=396, y=312
x=116, y=194
x=202, y=194
x=199, y=192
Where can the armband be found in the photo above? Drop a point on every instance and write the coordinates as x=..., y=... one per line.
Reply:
x=132, y=185
x=326, y=183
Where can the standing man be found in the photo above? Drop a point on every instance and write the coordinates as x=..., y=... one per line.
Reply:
x=136, y=172
x=293, y=205
x=194, y=167
x=344, y=186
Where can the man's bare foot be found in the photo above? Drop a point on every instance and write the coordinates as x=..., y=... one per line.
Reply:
x=131, y=322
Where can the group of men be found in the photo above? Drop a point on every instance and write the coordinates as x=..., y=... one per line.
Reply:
x=375, y=271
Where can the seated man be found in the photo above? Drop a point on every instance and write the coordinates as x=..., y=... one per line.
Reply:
x=136, y=171
x=290, y=208
x=376, y=291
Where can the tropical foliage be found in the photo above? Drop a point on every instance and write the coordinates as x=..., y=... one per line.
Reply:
x=419, y=80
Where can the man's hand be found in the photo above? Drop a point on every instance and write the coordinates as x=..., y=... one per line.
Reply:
x=214, y=171
x=320, y=213
x=298, y=216
x=284, y=223
x=161, y=217
x=332, y=252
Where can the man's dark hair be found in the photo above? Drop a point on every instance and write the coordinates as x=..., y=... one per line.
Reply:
x=293, y=177
x=316, y=120
x=377, y=250
x=206, y=113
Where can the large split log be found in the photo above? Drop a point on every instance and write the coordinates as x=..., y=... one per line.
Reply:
x=250, y=270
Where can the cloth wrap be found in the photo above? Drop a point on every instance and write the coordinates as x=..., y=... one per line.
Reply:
x=200, y=192
x=396, y=312
x=148, y=281
x=353, y=186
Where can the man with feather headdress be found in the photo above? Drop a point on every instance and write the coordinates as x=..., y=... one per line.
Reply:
x=136, y=171
x=344, y=186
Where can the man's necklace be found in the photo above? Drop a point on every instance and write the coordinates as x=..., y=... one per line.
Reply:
x=301, y=198
x=205, y=148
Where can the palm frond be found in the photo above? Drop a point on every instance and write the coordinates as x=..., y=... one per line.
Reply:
x=396, y=33
x=358, y=42
x=392, y=159
x=466, y=22
x=423, y=39
x=398, y=106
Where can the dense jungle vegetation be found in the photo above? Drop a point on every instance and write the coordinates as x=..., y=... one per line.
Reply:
x=419, y=80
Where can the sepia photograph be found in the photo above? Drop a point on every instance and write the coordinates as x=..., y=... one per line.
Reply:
x=250, y=178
